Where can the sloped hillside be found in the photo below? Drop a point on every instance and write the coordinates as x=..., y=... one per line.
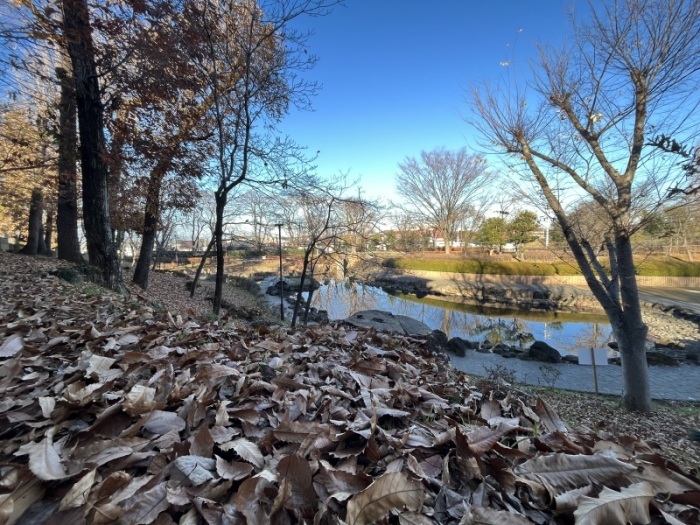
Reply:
x=113, y=412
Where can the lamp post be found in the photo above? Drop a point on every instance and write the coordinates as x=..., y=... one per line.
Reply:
x=279, y=233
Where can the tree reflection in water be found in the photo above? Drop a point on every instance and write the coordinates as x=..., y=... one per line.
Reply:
x=564, y=331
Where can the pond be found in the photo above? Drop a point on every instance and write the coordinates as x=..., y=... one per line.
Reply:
x=565, y=331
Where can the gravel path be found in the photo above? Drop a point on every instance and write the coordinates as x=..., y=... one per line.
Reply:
x=681, y=383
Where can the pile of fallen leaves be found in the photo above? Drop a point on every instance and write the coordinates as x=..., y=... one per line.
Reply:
x=112, y=412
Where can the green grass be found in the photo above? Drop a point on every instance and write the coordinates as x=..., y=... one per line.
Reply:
x=662, y=267
x=668, y=267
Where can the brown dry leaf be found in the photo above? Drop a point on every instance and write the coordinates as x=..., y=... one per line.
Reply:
x=12, y=346
x=630, y=505
x=414, y=518
x=140, y=399
x=562, y=471
x=388, y=492
x=483, y=439
x=47, y=405
x=196, y=468
x=21, y=498
x=78, y=493
x=548, y=418
x=107, y=513
x=296, y=489
x=488, y=516
x=236, y=470
x=143, y=508
x=249, y=451
x=248, y=501
x=161, y=422
x=44, y=460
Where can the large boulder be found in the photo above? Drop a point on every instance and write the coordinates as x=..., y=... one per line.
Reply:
x=388, y=322
x=541, y=351
x=291, y=285
x=459, y=346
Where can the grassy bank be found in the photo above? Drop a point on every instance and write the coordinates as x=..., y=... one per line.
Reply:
x=660, y=267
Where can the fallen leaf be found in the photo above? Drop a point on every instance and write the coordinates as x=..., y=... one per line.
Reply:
x=388, y=492
x=47, y=405
x=196, y=468
x=44, y=460
x=12, y=346
x=78, y=493
x=630, y=505
x=236, y=470
x=161, y=422
x=143, y=508
x=249, y=451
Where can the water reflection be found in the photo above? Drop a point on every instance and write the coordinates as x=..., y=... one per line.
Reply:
x=564, y=331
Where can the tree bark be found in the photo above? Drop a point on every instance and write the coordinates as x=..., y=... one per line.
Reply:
x=302, y=280
x=46, y=235
x=150, y=226
x=78, y=34
x=36, y=208
x=67, y=206
x=201, y=265
x=219, y=235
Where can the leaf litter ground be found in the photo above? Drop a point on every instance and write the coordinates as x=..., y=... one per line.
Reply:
x=116, y=412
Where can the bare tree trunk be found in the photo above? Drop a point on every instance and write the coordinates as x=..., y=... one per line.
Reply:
x=302, y=279
x=96, y=218
x=36, y=208
x=631, y=332
x=150, y=226
x=67, y=206
x=307, y=306
x=45, y=246
x=195, y=281
x=219, y=240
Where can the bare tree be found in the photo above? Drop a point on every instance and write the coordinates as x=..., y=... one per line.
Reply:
x=328, y=218
x=441, y=186
x=250, y=58
x=633, y=67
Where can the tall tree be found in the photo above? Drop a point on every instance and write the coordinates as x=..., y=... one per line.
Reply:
x=67, y=139
x=633, y=67
x=441, y=186
x=250, y=60
x=77, y=32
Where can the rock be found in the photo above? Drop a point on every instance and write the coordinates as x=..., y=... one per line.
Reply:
x=459, y=346
x=569, y=358
x=613, y=345
x=659, y=359
x=291, y=285
x=388, y=322
x=502, y=349
x=436, y=342
x=541, y=351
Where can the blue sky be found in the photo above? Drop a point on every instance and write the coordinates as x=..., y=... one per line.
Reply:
x=395, y=74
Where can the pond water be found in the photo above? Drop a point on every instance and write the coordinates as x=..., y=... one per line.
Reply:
x=565, y=331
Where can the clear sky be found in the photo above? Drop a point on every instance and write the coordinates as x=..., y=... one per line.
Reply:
x=395, y=74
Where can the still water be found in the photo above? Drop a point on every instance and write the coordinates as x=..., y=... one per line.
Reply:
x=565, y=331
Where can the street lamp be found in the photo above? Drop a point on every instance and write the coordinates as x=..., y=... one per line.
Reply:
x=279, y=232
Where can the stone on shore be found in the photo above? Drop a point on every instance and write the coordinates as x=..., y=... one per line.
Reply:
x=459, y=346
x=291, y=285
x=388, y=322
x=541, y=351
